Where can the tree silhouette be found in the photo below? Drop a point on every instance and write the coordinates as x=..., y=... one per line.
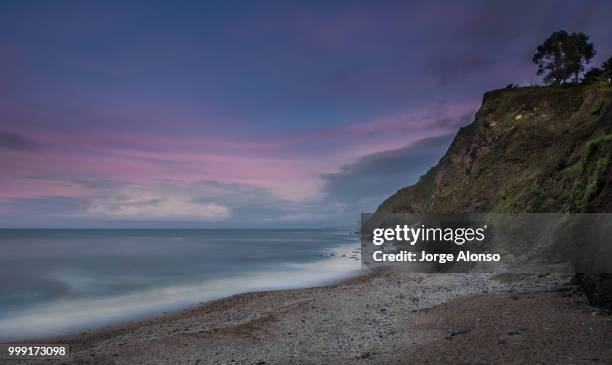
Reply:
x=563, y=57
x=606, y=68
x=601, y=73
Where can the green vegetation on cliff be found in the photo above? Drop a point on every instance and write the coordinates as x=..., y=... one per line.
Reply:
x=530, y=149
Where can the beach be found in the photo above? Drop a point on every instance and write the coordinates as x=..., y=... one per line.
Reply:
x=384, y=316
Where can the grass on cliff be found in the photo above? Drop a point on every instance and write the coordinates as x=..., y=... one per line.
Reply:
x=534, y=149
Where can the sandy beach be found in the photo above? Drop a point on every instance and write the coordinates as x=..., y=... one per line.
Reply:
x=388, y=316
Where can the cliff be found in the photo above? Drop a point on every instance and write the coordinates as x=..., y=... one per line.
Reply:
x=531, y=149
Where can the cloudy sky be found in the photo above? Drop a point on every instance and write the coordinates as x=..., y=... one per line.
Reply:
x=247, y=114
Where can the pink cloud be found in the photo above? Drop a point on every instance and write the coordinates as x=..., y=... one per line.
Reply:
x=288, y=165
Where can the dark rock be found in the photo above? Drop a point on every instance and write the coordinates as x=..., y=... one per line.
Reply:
x=458, y=332
x=367, y=355
x=598, y=289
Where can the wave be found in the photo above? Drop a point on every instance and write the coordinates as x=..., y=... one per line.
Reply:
x=65, y=316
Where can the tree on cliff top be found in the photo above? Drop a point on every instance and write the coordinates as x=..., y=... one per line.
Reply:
x=563, y=57
x=606, y=68
x=599, y=74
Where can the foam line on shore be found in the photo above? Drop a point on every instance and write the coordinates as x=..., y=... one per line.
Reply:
x=64, y=316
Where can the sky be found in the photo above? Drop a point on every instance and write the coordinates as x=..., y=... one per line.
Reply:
x=248, y=114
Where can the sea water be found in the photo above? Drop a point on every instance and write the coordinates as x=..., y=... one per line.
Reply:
x=55, y=282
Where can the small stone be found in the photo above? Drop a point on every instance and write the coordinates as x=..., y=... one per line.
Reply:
x=459, y=332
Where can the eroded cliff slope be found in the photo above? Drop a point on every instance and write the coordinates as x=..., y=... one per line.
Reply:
x=532, y=149
x=536, y=149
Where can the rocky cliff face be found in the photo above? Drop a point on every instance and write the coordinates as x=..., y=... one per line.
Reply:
x=535, y=149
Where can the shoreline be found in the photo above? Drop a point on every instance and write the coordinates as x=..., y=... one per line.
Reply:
x=357, y=320
x=66, y=319
x=172, y=315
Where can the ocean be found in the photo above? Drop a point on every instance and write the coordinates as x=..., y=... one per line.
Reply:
x=60, y=281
